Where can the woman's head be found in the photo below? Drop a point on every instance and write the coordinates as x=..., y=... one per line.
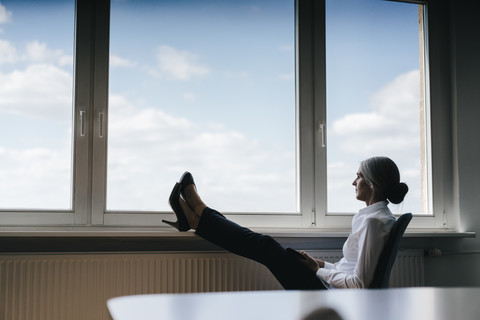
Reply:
x=382, y=174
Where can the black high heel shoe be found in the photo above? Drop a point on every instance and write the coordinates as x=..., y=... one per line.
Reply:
x=181, y=224
x=185, y=180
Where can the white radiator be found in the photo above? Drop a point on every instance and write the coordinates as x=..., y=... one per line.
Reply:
x=77, y=286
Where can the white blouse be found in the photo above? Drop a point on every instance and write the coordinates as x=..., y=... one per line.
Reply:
x=370, y=229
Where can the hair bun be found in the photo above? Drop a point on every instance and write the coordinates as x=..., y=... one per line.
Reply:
x=396, y=192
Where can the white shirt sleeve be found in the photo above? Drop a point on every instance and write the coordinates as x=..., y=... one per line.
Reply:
x=372, y=239
x=329, y=265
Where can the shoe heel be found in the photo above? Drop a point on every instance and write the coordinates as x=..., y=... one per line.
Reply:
x=171, y=223
x=181, y=224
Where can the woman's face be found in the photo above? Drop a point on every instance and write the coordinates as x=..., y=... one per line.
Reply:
x=363, y=191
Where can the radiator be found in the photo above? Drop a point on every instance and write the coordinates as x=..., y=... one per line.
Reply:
x=406, y=272
x=77, y=286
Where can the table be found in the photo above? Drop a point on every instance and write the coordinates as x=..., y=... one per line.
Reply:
x=350, y=304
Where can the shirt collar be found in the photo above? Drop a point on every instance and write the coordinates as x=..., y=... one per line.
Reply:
x=373, y=207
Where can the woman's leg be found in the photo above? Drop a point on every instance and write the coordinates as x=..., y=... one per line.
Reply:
x=214, y=227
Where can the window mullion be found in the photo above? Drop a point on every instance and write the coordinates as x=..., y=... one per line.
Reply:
x=320, y=112
x=308, y=12
x=100, y=109
x=83, y=112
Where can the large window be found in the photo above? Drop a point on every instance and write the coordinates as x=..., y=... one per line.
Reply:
x=271, y=104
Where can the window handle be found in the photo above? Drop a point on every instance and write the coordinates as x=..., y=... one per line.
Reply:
x=83, y=122
x=321, y=130
x=101, y=124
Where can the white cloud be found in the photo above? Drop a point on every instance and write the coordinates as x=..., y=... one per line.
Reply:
x=5, y=15
x=8, y=53
x=392, y=125
x=150, y=148
x=38, y=52
x=362, y=123
x=35, y=178
x=35, y=52
x=399, y=99
x=40, y=90
x=116, y=61
x=180, y=65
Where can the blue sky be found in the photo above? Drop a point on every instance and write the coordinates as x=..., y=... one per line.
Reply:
x=244, y=46
x=206, y=86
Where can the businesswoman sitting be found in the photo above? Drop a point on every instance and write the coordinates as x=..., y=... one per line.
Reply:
x=377, y=182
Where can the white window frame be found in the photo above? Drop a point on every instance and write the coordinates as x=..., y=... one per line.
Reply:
x=91, y=119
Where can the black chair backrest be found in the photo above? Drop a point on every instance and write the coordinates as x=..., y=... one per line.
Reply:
x=381, y=276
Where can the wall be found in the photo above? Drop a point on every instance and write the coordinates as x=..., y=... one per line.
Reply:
x=460, y=261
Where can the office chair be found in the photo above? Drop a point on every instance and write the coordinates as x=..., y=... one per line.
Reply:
x=381, y=276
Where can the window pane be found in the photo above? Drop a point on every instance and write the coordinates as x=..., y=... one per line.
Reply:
x=374, y=103
x=205, y=86
x=36, y=80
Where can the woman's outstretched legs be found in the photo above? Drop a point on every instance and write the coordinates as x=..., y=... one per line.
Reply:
x=214, y=227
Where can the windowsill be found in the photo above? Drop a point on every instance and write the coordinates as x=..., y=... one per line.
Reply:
x=93, y=239
x=171, y=233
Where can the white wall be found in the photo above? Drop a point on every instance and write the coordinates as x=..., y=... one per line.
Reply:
x=460, y=263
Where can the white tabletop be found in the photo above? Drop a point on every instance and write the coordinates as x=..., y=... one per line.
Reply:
x=391, y=304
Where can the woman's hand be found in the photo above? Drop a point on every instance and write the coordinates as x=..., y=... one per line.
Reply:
x=311, y=263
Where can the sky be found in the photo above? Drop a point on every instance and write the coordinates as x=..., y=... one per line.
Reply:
x=207, y=87
x=373, y=93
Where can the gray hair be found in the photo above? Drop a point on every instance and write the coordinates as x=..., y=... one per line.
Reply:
x=382, y=173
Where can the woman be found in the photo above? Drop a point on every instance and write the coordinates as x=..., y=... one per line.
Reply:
x=376, y=183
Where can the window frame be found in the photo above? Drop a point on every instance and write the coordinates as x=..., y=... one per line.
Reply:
x=90, y=132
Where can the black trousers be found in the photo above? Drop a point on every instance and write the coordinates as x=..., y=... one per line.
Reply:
x=291, y=274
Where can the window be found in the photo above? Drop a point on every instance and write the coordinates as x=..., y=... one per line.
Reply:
x=36, y=98
x=374, y=96
x=216, y=97
x=267, y=102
